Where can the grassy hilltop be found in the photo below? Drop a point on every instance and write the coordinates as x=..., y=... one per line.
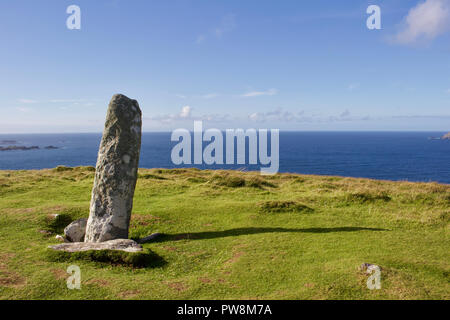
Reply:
x=234, y=235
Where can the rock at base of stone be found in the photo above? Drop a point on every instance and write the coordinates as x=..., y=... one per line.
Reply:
x=60, y=238
x=75, y=231
x=117, y=244
x=149, y=238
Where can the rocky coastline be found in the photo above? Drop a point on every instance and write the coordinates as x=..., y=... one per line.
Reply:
x=24, y=148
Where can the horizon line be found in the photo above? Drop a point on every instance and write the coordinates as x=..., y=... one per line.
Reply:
x=281, y=130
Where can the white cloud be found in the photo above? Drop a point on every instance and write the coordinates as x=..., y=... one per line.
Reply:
x=186, y=115
x=74, y=102
x=345, y=114
x=353, y=86
x=24, y=109
x=185, y=112
x=424, y=22
x=65, y=103
x=276, y=115
x=270, y=92
x=201, y=96
x=209, y=96
x=227, y=24
x=27, y=101
x=66, y=100
x=215, y=117
x=201, y=38
x=279, y=115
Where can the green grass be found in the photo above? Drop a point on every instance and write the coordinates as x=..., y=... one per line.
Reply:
x=144, y=259
x=231, y=235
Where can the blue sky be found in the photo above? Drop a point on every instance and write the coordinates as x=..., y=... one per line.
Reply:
x=292, y=65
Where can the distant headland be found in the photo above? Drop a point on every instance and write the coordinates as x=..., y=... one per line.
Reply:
x=24, y=148
x=444, y=137
x=14, y=145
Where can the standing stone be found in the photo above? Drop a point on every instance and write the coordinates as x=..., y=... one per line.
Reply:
x=116, y=172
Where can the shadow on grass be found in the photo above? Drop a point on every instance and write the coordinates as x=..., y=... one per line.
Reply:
x=249, y=231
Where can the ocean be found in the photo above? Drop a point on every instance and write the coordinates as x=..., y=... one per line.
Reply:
x=408, y=156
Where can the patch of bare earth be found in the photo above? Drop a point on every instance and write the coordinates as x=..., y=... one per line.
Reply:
x=56, y=210
x=168, y=248
x=98, y=282
x=20, y=210
x=9, y=278
x=236, y=255
x=59, y=274
x=400, y=285
x=204, y=280
x=128, y=294
x=143, y=220
x=196, y=253
x=177, y=286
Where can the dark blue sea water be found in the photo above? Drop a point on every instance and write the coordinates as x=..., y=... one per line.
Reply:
x=380, y=155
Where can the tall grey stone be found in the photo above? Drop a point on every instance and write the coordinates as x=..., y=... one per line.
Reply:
x=116, y=172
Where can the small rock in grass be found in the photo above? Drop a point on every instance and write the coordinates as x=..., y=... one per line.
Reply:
x=75, y=231
x=367, y=267
x=149, y=238
x=60, y=238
